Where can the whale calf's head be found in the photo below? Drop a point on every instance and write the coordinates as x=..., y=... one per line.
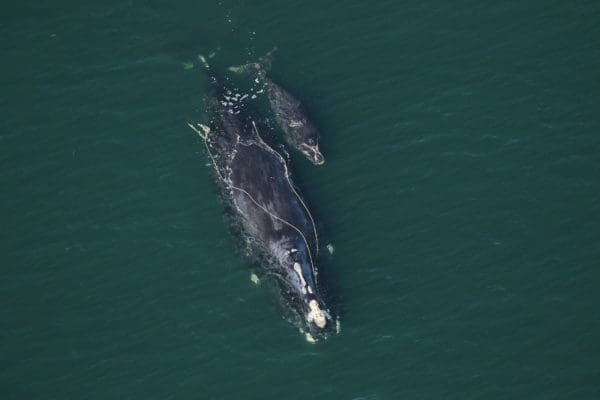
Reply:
x=312, y=153
x=304, y=136
x=293, y=119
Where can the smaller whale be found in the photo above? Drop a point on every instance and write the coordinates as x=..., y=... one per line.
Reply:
x=291, y=116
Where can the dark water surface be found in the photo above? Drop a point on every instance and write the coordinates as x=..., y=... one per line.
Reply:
x=461, y=191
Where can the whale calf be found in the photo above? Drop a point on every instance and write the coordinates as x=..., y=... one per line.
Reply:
x=290, y=115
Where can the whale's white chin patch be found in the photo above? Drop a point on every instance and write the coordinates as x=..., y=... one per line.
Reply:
x=316, y=315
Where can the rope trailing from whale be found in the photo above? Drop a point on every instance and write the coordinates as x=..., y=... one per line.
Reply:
x=204, y=135
x=287, y=176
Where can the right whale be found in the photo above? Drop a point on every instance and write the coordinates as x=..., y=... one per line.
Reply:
x=291, y=116
x=256, y=183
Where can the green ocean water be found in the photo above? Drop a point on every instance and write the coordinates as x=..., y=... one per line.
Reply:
x=461, y=192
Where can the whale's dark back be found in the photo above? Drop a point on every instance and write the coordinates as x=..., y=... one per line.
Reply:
x=262, y=176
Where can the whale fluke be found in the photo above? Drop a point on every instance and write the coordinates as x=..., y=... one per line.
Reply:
x=260, y=67
x=203, y=61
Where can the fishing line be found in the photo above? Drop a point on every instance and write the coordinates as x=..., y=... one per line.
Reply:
x=204, y=135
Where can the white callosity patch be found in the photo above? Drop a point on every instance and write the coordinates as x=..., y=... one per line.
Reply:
x=305, y=287
x=298, y=270
x=312, y=153
x=316, y=315
x=295, y=124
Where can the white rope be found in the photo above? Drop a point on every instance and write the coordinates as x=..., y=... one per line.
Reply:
x=204, y=135
x=287, y=176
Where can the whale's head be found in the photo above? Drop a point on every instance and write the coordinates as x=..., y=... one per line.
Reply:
x=312, y=152
x=301, y=292
x=317, y=319
x=304, y=136
x=292, y=118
